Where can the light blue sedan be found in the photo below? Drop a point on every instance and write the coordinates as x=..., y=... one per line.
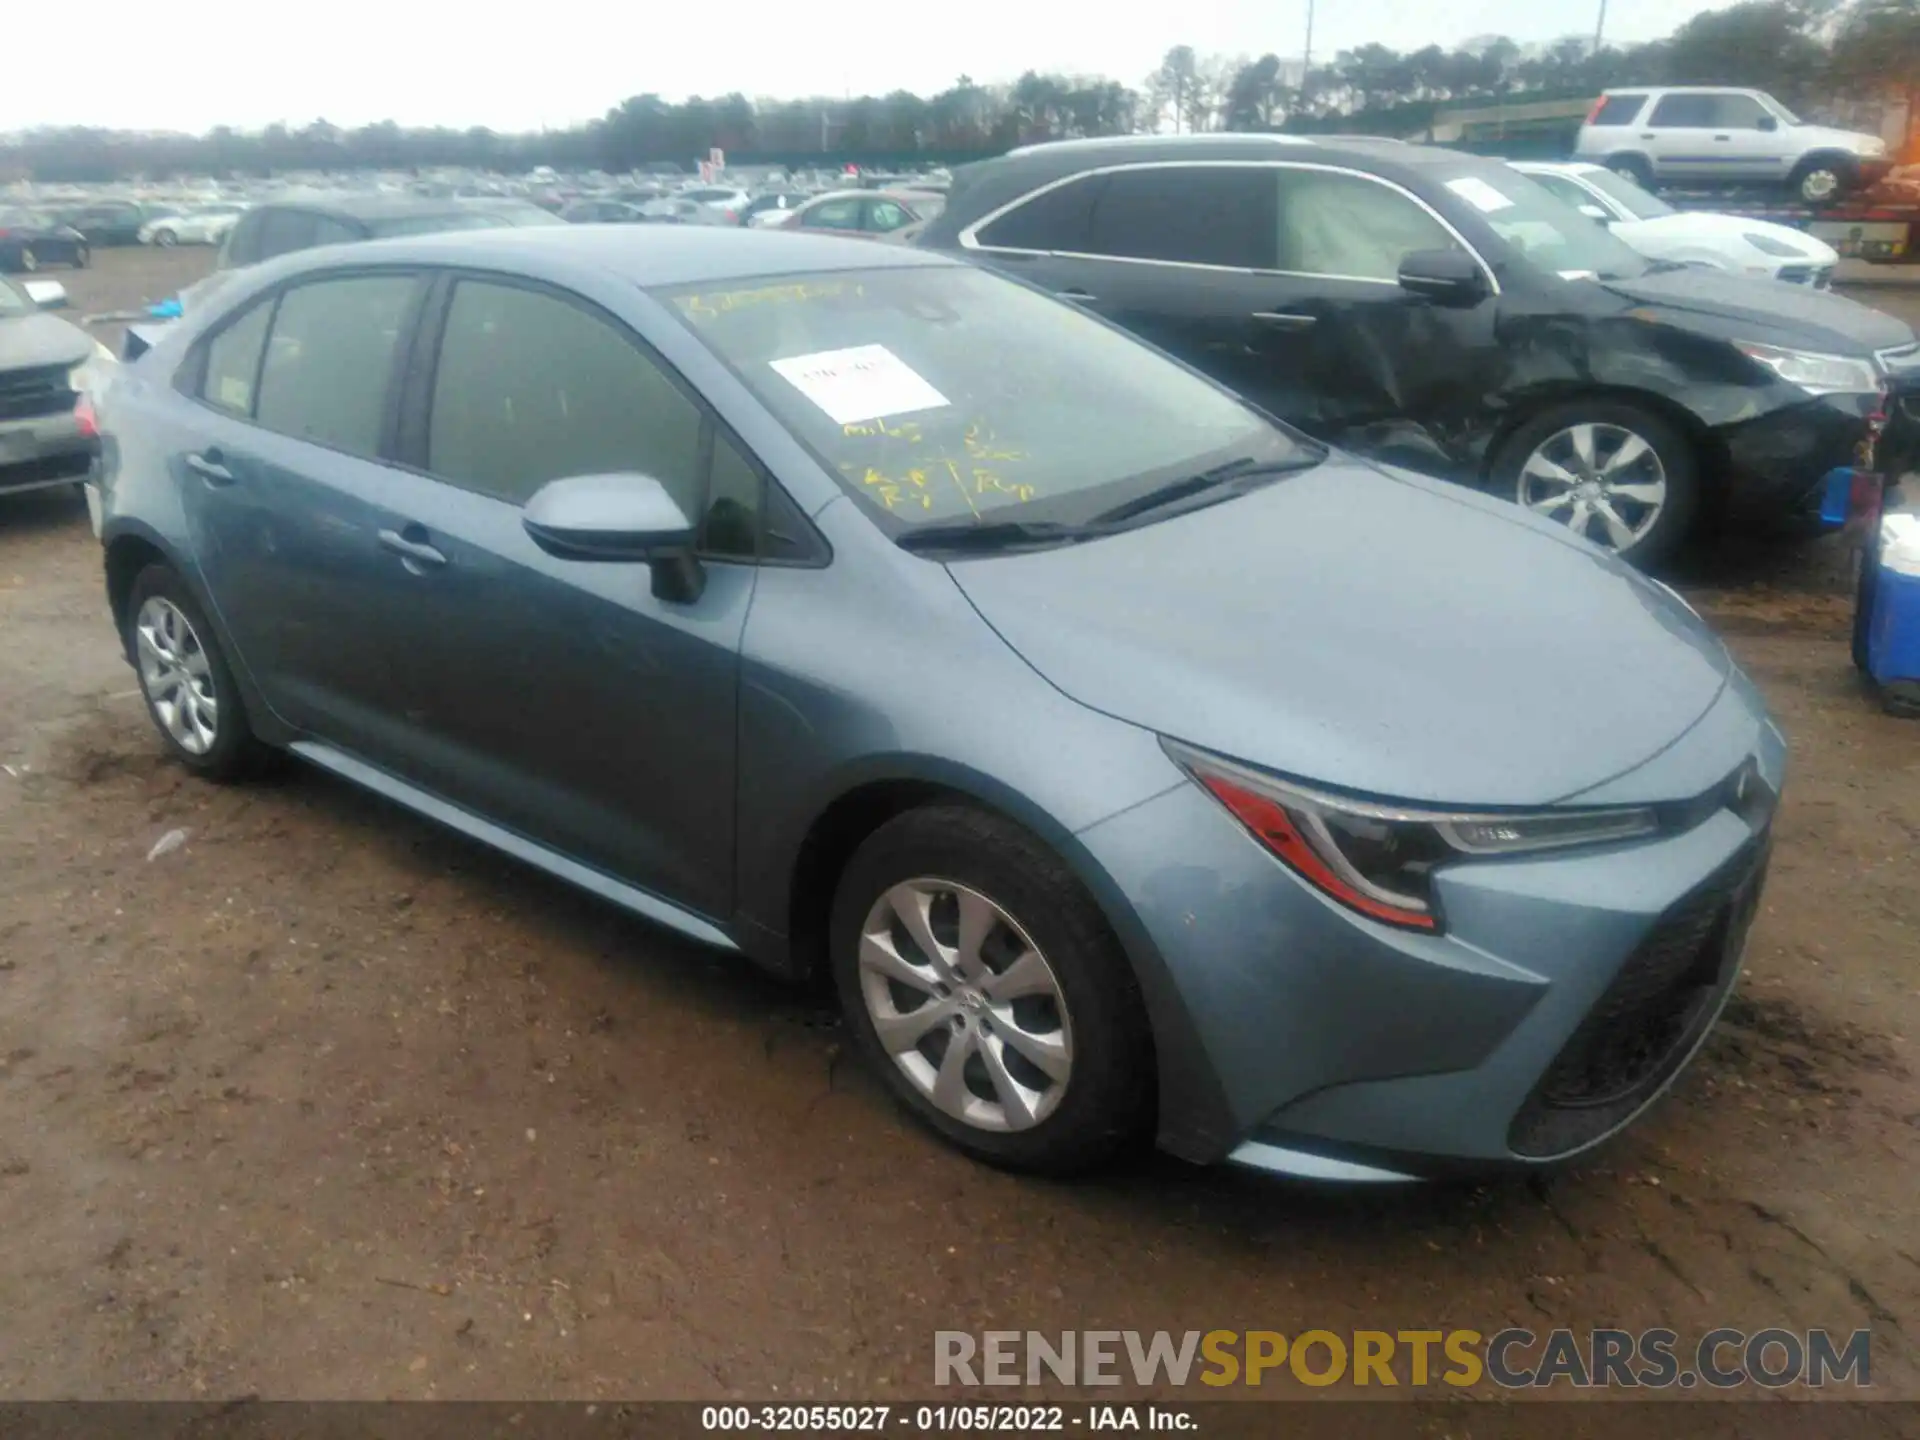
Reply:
x=1133, y=765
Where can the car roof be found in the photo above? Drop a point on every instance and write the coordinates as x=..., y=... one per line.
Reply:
x=1558, y=167
x=647, y=255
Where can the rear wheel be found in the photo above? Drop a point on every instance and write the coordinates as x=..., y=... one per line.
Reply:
x=165, y=239
x=82, y=256
x=1636, y=168
x=29, y=260
x=982, y=983
x=186, y=681
x=1610, y=471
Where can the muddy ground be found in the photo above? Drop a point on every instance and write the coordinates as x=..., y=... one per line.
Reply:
x=329, y=1103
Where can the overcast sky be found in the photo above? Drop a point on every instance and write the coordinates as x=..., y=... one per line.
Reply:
x=189, y=67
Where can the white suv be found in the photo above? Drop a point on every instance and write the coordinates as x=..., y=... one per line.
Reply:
x=1716, y=136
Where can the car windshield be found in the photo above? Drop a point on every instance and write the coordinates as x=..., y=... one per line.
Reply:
x=1547, y=230
x=945, y=393
x=460, y=220
x=1629, y=196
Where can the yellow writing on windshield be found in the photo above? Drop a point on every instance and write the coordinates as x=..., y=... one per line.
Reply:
x=725, y=302
x=909, y=491
x=907, y=431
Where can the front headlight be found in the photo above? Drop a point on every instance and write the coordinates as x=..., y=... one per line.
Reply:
x=1380, y=859
x=1767, y=245
x=1813, y=372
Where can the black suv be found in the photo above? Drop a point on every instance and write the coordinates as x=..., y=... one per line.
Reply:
x=1445, y=313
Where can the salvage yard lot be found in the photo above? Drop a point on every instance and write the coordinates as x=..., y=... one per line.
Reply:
x=328, y=1102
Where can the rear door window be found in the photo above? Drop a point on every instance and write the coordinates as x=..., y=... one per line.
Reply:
x=1618, y=110
x=834, y=215
x=330, y=360
x=1188, y=214
x=1685, y=111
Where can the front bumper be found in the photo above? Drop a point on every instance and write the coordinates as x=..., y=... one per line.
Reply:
x=41, y=451
x=1566, y=994
x=1777, y=463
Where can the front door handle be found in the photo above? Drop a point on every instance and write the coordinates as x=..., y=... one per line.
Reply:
x=1284, y=320
x=1648, y=135
x=1723, y=137
x=1078, y=297
x=416, y=554
x=207, y=465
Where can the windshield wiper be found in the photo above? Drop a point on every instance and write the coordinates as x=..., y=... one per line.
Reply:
x=1222, y=482
x=989, y=535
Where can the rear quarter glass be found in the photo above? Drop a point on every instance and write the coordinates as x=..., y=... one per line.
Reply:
x=1618, y=110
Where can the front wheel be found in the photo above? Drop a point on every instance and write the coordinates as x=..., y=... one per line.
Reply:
x=29, y=260
x=165, y=239
x=983, y=985
x=1610, y=471
x=1822, y=181
x=82, y=255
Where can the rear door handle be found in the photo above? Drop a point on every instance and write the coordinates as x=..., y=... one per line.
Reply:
x=1078, y=297
x=206, y=464
x=1723, y=137
x=416, y=554
x=1283, y=320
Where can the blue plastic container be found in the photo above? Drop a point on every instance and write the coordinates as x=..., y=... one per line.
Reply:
x=1892, y=628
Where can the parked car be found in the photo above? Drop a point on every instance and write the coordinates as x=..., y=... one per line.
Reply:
x=1257, y=799
x=865, y=212
x=1444, y=312
x=678, y=210
x=1686, y=237
x=602, y=212
x=50, y=370
x=32, y=238
x=107, y=222
x=728, y=201
x=1704, y=135
x=203, y=225
x=775, y=207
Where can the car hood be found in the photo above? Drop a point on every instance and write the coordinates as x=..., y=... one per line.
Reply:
x=1763, y=309
x=1721, y=232
x=29, y=341
x=1367, y=630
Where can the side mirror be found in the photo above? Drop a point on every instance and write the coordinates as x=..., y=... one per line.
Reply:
x=1596, y=214
x=46, y=294
x=1446, y=277
x=618, y=518
x=1766, y=122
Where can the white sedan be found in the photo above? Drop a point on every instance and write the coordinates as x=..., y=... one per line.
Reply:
x=204, y=225
x=1660, y=232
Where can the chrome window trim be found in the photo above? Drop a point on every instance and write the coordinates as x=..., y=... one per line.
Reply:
x=969, y=238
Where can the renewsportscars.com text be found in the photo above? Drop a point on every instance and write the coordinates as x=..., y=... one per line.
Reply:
x=1513, y=1359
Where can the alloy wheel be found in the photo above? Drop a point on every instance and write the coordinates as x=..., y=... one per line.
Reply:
x=29, y=262
x=177, y=675
x=1819, y=185
x=1601, y=481
x=965, y=1004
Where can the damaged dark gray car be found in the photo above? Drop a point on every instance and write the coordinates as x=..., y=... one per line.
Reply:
x=1444, y=313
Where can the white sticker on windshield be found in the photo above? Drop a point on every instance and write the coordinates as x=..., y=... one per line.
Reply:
x=865, y=382
x=1479, y=194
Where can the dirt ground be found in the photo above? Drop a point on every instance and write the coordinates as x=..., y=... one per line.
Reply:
x=327, y=1102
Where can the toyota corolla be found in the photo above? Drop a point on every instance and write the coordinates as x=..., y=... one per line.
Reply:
x=1132, y=765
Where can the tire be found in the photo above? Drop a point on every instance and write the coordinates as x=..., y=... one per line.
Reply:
x=165, y=239
x=1101, y=1102
x=1668, y=459
x=218, y=742
x=1636, y=168
x=82, y=256
x=29, y=261
x=1823, y=179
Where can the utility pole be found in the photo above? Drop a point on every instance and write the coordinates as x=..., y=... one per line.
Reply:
x=1306, y=64
x=1600, y=27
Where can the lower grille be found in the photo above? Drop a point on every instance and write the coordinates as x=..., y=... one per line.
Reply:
x=27, y=393
x=1644, y=1026
x=1795, y=274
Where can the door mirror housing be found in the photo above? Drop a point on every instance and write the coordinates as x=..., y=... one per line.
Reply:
x=46, y=294
x=621, y=518
x=1446, y=277
x=1767, y=123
